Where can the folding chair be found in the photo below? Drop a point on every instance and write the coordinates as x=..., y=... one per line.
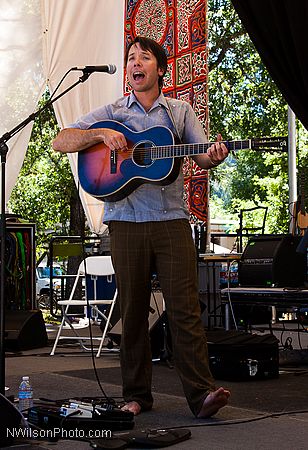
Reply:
x=92, y=268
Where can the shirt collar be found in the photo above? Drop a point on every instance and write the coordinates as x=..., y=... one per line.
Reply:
x=161, y=100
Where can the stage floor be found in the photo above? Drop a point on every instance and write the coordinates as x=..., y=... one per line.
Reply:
x=270, y=414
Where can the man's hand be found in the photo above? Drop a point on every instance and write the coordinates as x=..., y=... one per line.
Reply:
x=217, y=152
x=114, y=139
x=215, y=155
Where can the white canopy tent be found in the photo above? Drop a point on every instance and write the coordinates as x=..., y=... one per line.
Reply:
x=40, y=40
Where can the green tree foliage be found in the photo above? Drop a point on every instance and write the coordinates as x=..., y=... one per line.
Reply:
x=242, y=96
x=45, y=184
x=244, y=102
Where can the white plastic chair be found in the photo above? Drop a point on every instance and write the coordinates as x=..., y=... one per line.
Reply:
x=95, y=267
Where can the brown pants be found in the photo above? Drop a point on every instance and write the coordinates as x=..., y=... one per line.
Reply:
x=168, y=246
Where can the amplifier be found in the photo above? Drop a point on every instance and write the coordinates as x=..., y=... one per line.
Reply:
x=272, y=261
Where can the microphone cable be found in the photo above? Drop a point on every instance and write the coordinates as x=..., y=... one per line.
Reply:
x=108, y=399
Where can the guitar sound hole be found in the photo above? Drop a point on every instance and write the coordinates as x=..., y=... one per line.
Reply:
x=142, y=154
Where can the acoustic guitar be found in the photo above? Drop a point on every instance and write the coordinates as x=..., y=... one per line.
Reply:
x=302, y=216
x=152, y=157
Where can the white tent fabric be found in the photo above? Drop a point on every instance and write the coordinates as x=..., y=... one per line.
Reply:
x=39, y=41
x=21, y=76
x=78, y=33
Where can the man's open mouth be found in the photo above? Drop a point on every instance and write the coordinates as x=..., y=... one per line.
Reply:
x=138, y=76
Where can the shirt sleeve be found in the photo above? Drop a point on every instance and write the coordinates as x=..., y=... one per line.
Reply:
x=89, y=119
x=193, y=131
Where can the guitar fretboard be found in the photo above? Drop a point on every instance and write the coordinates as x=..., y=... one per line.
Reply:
x=181, y=150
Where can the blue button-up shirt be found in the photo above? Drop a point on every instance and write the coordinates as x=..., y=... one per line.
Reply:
x=149, y=202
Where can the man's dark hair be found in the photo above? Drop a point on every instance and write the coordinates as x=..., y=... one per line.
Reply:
x=152, y=46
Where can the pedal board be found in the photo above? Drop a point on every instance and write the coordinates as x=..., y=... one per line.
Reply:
x=80, y=415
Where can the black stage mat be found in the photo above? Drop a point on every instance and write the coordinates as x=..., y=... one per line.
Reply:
x=287, y=393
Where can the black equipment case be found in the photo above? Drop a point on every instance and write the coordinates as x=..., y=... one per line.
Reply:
x=235, y=355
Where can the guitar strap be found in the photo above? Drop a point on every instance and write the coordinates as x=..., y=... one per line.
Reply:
x=171, y=116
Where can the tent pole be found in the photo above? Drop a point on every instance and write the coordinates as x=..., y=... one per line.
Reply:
x=292, y=164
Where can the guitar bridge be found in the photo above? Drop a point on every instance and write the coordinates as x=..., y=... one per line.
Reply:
x=113, y=161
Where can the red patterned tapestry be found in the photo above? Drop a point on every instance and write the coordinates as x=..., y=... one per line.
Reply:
x=180, y=27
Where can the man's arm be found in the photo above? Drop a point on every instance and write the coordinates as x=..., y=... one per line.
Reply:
x=194, y=132
x=71, y=140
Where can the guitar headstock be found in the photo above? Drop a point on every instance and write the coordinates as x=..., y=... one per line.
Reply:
x=271, y=144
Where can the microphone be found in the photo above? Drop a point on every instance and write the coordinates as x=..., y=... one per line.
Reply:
x=108, y=68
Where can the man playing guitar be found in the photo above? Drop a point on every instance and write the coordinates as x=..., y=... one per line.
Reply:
x=149, y=229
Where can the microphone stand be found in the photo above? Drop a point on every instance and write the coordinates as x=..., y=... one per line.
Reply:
x=3, y=152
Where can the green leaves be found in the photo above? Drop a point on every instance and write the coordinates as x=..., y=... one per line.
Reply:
x=244, y=102
x=45, y=183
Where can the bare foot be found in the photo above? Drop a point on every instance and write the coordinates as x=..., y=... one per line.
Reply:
x=133, y=407
x=213, y=402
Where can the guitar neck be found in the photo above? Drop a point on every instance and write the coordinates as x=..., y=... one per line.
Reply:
x=181, y=150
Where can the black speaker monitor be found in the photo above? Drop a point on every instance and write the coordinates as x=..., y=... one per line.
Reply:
x=272, y=261
x=11, y=420
x=24, y=330
x=156, y=317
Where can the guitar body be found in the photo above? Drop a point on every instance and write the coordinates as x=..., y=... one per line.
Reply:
x=302, y=222
x=302, y=216
x=113, y=175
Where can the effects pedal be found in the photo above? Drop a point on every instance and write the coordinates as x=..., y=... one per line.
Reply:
x=84, y=416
